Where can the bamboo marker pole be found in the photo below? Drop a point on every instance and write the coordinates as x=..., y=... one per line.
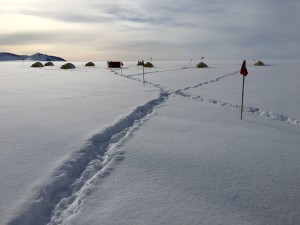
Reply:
x=143, y=73
x=242, y=98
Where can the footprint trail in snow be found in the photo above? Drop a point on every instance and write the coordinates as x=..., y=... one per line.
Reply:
x=183, y=92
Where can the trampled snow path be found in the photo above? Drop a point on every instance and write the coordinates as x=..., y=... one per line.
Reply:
x=183, y=93
x=71, y=183
x=250, y=109
x=156, y=71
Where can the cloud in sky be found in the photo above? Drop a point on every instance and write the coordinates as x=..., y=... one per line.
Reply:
x=140, y=29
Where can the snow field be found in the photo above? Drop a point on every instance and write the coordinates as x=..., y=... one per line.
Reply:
x=193, y=162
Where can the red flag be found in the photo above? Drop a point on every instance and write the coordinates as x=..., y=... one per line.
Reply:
x=244, y=70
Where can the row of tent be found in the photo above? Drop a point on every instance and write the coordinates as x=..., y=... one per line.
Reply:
x=65, y=66
x=110, y=64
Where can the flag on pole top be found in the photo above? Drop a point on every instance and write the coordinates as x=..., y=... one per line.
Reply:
x=244, y=70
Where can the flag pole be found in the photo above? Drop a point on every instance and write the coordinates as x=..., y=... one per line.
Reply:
x=244, y=72
x=242, y=98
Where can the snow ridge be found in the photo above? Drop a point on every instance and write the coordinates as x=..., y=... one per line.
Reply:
x=72, y=182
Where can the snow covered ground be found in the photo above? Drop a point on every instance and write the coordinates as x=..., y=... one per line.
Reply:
x=96, y=146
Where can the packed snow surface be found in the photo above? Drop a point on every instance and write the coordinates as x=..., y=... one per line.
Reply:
x=99, y=146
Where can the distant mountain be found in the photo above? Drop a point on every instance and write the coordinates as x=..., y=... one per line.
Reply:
x=43, y=57
x=6, y=56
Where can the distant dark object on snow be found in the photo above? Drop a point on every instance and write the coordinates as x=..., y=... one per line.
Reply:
x=259, y=63
x=37, y=64
x=90, y=64
x=140, y=63
x=114, y=64
x=201, y=65
x=49, y=64
x=148, y=64
x=68, y=66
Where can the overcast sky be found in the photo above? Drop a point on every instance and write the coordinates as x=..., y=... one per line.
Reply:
x=163, y=29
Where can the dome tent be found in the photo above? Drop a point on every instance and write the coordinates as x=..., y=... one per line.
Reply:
x=201, y=65
x=259, y=63
x=37, y=64
x=90, y=64
x=68, y=66
x=49, y=64
x=148, y=64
